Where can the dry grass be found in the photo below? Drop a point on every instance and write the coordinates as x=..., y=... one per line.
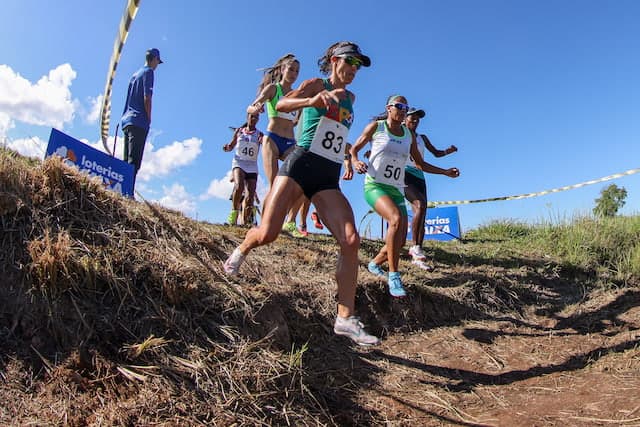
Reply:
x=104, y=296
x=116, y=312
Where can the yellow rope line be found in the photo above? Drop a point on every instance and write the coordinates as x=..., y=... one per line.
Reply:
x=540, y=193
x=123, y=31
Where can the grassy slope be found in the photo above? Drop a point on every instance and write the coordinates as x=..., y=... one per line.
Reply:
x=114, y=311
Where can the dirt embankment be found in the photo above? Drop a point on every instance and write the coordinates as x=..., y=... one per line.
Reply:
x=115, y=312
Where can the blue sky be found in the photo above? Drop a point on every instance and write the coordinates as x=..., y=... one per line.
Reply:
x=535, y=94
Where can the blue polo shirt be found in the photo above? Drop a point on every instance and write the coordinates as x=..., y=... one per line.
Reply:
x=141, y=85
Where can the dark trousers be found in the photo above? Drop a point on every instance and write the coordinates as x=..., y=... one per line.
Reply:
x=134, y=140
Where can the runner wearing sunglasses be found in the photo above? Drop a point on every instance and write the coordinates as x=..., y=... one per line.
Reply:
x=244, y=166
x=391, y=144
x=313, y=170
x=416, y=188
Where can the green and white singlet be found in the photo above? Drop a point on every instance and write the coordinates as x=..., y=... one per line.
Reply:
x=389, y=154
x=412, y=168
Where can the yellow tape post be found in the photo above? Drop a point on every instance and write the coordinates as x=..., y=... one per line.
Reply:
x=123, y=31
x=539, y=193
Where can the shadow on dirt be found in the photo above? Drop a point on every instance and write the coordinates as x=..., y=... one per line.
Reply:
x=463, y=380
x=520, y=287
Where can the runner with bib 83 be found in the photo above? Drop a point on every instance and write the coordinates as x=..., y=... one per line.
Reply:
x=313, y=169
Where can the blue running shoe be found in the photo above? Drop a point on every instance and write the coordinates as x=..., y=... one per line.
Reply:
x=395, y=285
x=375, y=269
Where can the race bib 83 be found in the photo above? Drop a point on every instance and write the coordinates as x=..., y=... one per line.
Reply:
x=330, y=140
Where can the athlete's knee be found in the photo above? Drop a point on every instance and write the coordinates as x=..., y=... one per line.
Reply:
x=395, y=220
x=266, y=235
x=350, y=242
x=419, y=205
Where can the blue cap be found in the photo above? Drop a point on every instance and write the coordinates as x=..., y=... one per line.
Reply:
x=155, y=53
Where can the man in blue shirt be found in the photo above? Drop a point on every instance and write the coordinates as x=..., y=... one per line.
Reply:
x=136, y=117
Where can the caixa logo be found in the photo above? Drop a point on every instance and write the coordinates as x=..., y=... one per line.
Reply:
x=115, y=174
x=68, y=156
x=110, y=178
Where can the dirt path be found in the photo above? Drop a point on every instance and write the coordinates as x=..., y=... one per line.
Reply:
x=513, y=372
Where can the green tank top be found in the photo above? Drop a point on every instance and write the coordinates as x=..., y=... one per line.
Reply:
x=271, y=106
x=342, y=113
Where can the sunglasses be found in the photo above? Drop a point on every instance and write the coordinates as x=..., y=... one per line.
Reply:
x=353, y=61
x=399, y=106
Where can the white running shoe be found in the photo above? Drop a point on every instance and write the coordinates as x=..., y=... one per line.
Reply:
x=416, y=253
x=232, y=264
x=353, y=328
x=422, y=264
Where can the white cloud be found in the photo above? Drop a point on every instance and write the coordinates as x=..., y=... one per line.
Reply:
x=145, y=189
x=222, y=188
x=98, y=145
x=45, y=103
x=176, y=197
x=36, y=147
x=262, y=189
x=29, y=147
x=155, y=163
x=96, y=106
x=5, y=124
x=219, y=188
x=165, y=160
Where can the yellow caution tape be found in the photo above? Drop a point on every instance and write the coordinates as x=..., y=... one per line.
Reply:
x=520, y=196
x=540, y=193
x=123, y=31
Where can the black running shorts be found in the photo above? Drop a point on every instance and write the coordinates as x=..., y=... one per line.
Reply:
x=312, y=172
x=418, y=184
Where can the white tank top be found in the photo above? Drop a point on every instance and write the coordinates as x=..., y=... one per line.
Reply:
x=389, y=154
x=247, y=149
